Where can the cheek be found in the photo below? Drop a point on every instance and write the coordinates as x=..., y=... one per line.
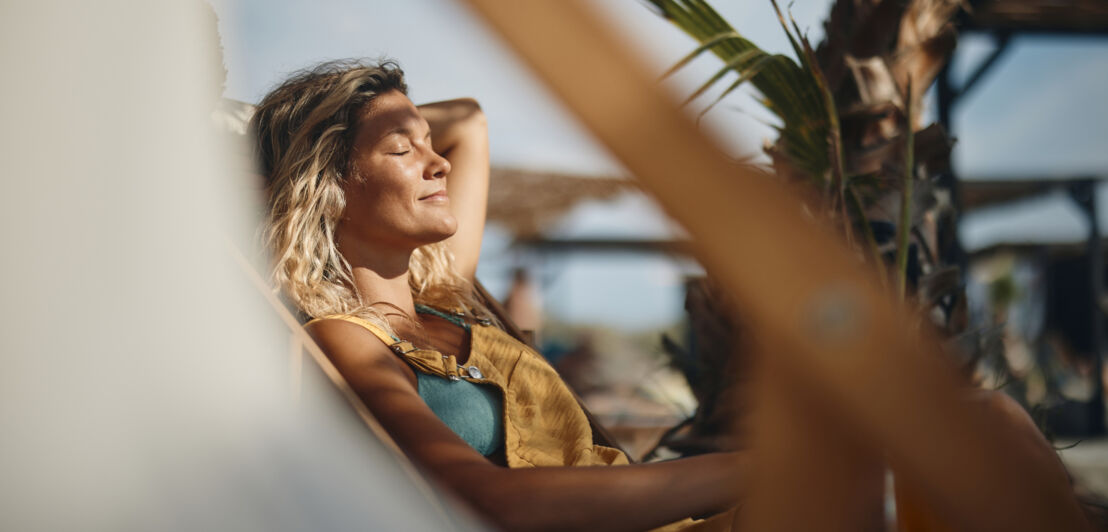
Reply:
x=371, y=206
x=362, y=204
x=377, y=212
x=381, y=185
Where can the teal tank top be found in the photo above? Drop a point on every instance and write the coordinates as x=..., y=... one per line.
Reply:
x=474, y=411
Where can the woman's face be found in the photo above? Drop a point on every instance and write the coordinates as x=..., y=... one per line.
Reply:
x=397, y=198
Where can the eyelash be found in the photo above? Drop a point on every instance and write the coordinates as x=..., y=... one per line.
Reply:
x=405, y=152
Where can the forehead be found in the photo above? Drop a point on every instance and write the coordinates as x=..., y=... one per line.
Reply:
x=389, y=113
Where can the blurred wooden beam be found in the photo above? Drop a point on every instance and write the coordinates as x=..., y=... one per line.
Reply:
x=619, y=245
x=832, y=331
x=981, y=192
x=811, y=461
x=1039, y=16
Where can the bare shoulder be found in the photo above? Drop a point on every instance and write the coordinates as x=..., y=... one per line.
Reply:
x=388, y=387
x=355, y=350
x=341, y=336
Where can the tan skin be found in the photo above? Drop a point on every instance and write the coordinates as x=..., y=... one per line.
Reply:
x=396, y=206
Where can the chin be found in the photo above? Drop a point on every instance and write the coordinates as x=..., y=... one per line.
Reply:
x=444, y=231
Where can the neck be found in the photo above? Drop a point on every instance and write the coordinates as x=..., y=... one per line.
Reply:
x=381, y=278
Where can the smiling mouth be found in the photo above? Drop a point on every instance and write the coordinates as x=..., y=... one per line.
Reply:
x=440, y=195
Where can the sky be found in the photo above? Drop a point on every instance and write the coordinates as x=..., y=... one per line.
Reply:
x=1040, y=113
x=447, y=52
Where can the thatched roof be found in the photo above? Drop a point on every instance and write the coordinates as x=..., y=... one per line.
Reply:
x=525, y=202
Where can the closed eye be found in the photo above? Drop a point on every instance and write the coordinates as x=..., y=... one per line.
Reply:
x=405, y=152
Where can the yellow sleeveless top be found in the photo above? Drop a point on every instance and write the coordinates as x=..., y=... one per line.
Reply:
x=543, y=424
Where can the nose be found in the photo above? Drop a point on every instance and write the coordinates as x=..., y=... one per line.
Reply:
x=438, y=168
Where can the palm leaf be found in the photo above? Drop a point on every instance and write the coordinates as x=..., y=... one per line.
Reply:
x=737, y=63
x=749, y=72
x=790, y=90
x=699, y=50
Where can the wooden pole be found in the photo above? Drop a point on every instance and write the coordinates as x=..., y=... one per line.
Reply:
x=833, y=333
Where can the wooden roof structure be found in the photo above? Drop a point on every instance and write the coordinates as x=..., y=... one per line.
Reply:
x=978, y=193
x=1003, y=19
x=1038, y=16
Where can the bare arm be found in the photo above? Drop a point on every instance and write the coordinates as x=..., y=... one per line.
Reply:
x=635, y=497
x=459, y=133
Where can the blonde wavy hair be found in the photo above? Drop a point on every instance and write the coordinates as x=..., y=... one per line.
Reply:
x=304, y=131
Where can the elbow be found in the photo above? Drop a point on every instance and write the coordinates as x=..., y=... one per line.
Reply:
x=470, y=112
x=469, y=104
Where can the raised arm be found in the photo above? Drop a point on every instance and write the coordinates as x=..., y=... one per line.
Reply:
x=459, y=133
x=634, y=497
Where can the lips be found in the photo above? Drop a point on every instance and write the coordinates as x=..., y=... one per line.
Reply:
x=437, y=195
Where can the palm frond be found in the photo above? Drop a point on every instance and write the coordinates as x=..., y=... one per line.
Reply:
x=699, y=50
x=753, y=70
x=738, y=63
x=789, y=90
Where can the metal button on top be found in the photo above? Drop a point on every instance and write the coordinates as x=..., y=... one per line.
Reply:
x=474, y=372
x=484, y=321
x=402, y=348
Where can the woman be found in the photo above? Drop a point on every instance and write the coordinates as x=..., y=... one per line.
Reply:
x=375, y=232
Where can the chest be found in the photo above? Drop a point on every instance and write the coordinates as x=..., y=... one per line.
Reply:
x=438, y=334
x=445, y=337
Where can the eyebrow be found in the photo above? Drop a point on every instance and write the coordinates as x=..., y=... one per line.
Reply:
x=404, y=130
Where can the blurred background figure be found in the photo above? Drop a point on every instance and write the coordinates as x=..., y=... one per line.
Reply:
x=524, y=305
